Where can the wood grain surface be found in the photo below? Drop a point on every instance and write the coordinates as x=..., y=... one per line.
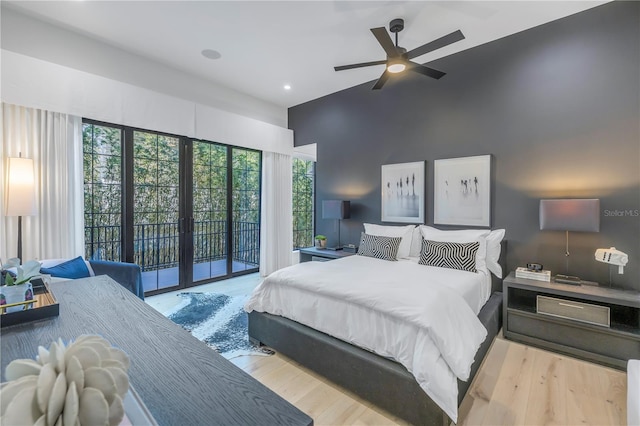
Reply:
x=179, y=378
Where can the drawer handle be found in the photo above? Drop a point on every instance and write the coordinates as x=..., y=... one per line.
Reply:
x=570, y=306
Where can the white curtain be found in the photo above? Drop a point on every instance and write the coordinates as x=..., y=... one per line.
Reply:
x=54, y=142
x=276, y=229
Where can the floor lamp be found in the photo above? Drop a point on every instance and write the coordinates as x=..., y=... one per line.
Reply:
x=582, y=215
x=336, y=209
x=21, y=193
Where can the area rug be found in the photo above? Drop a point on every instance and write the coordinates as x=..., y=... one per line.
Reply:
x=218, y=320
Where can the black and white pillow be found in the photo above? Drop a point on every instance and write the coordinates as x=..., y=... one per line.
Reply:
x=449, y=255
x=385, y=248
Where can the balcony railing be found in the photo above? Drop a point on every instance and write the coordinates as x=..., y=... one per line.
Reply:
x=156, y=244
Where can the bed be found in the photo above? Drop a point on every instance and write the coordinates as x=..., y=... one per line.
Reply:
x=409, y=360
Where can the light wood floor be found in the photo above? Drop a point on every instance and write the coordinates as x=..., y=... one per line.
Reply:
x=516, y=384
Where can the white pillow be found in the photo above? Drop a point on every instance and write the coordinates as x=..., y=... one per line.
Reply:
x=405, y=232
x=461, y=236
x=493, y=251
x=416, y=243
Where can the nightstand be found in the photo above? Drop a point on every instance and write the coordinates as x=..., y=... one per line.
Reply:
x=312, y=253
x=595, y=323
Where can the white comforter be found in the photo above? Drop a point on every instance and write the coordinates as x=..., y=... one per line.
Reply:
x=409, y=312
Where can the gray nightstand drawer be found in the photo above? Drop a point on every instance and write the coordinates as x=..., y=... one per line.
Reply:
x=569, y=336
x=577, y=311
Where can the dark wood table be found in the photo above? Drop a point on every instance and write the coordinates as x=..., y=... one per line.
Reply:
x=179, y=378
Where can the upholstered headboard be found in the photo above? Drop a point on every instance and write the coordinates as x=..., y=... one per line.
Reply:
x=496, y=283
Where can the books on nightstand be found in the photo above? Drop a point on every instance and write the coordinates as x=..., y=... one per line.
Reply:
x=522, y=272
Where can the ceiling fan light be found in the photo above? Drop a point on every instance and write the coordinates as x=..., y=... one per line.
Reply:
x=396, y=67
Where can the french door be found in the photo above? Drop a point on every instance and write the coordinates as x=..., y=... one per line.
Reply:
x=225, y=231
x=189, y=212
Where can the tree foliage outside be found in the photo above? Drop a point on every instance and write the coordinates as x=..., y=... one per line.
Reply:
x=303, y=205
x=209, y=201
x=102, y=159
x=156, y=210
x=245, y=182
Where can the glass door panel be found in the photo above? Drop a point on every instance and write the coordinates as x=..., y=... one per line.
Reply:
x=210, y=237
x=246, y=209
x=102, y=152
x=156, y=181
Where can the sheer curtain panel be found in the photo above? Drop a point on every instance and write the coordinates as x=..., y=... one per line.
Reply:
x=54, y=142
x=276, y=227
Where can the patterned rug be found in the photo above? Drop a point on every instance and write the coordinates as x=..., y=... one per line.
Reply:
x=218, y=320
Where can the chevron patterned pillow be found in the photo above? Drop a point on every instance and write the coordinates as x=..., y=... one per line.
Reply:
x=385, y=248
x=449, y=255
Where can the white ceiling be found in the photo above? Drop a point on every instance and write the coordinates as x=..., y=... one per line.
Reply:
x=267, y=44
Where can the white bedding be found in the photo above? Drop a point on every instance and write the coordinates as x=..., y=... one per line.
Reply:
x=423, y=317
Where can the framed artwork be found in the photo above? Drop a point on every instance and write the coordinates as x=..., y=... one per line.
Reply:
x=403, y=192
x=462, y=191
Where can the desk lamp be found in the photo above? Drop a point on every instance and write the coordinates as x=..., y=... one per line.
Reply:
x=336, y=209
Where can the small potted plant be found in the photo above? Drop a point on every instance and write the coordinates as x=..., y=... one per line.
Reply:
x=18, y=289
x=321, y=241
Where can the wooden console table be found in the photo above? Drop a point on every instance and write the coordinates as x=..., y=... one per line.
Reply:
x=179, y=378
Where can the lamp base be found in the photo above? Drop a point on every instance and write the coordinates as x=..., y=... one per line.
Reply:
x=567, y=279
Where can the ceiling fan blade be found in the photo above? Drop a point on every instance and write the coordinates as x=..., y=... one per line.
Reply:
x=429, y=72
x=363, y=64
x=381, y=81
x=436, y=44
x=385, y=41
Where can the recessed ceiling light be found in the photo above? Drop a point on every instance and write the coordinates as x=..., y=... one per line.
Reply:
x=211, y=54
x=287, y=87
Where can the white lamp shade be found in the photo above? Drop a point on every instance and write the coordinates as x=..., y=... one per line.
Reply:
x=21, y=193
x=570, y=215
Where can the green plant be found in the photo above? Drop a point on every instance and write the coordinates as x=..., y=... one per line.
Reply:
x=320, y=237
x=25, y=273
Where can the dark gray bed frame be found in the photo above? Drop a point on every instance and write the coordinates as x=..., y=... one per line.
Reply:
x=379, y=380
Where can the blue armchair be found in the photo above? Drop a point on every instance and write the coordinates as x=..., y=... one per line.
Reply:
x=128, y=275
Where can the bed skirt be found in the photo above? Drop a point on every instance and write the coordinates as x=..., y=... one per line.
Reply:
x=379, y=380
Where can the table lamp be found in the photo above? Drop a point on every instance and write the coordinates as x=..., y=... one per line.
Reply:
x=21, y=193
x=336, y=209
x=581, y=215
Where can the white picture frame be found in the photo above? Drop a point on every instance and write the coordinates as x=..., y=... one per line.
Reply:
x=462, y=191
x=403, y=192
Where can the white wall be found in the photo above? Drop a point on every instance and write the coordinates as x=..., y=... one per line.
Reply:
x=39, y=84
x=31, y=37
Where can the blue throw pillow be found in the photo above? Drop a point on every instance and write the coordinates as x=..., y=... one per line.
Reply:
x=72, y=269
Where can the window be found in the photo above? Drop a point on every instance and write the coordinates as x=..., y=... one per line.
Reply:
x=246, y=208
x=102, y=151
x=186, y=211
x=303, y=207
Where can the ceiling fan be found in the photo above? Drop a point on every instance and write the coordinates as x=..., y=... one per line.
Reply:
x=398, y=59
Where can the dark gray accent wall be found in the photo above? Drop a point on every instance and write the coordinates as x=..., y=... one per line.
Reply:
x=558, y=108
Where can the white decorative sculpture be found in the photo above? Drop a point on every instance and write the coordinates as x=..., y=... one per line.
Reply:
x=80, y=384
